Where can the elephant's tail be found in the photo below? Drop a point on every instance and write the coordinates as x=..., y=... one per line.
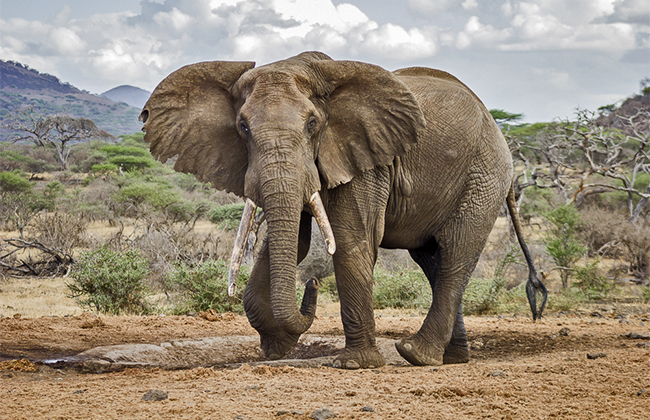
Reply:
x=534, y=284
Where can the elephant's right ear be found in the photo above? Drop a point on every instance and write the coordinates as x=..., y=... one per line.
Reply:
x=191, y=114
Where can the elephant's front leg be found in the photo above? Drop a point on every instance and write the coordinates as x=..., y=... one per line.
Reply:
x=357, y=218
x=274, y=341
x=353, y=268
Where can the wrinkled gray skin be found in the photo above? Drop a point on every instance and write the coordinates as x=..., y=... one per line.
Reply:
x=409, y=159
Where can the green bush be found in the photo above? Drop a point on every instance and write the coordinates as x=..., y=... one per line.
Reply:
x=562, y=240
x=14, y=182
x=227, y=216
x=110, y=282
x=408, y=289
x=20, y=202
x=205, y=286
x=112, y=150
x=139, y=192
x=589, y=280
x=484, y=296
x=132, y=163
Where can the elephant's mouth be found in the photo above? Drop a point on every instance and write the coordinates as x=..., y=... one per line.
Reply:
x=246, y=223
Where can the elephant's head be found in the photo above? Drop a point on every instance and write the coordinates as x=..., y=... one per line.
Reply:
x=279, y=133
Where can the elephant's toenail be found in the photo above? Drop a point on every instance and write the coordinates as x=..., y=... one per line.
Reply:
x=351, y=364
x=408, y=347
x=336, y=364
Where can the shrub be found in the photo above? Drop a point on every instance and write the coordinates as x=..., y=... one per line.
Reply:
x=19, y=202
x=112, y=150
x=611, y=233
x=110, y=282
x=483, y=296
x=227, y=216
x=139, y=192
x=408, y=289
x=592, y=284
x=205, y=285
x=62, y=231
x=14, y=182
x=131, y=163
x=562, y=241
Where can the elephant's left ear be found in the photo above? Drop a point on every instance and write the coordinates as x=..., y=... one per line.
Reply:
x=373, y=117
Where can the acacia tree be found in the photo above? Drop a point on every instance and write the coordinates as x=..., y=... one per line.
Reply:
x=582, y=157
x=59, y=132
x=578, y=157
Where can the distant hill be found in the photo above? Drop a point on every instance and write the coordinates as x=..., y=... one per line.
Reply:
x=610, y=115
x=22, y=86
x=131, y=95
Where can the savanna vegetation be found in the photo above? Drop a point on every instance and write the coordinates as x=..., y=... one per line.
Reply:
x=134, y=236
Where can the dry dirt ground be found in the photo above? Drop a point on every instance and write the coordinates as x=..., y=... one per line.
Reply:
x=519, y=370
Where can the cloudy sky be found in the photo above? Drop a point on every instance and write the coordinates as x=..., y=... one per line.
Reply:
x=540, y=57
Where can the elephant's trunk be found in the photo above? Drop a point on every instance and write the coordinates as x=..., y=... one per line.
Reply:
x=283, y=203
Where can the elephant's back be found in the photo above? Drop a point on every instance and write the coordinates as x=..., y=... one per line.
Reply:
x=461, y=163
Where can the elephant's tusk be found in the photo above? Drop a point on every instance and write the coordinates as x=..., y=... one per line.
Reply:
x=323, y=222
x=238, y=249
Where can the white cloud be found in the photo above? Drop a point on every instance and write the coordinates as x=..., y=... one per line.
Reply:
x=175, y=19
x=469, y=4
x=104, y=50
x=476, y=32
x=67, y=41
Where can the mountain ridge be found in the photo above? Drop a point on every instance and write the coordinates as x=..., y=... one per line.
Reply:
x=22, y=86
x=131, y=95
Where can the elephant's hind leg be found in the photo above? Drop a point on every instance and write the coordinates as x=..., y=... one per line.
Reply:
x=459, y=252
x=428, y=258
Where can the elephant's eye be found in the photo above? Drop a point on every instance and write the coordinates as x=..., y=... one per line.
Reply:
x=244, y=127
x=311, y=124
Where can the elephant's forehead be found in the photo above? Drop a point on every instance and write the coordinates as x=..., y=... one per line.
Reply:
x=273, y=79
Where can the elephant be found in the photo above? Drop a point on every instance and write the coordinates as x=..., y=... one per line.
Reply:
x=409, y=159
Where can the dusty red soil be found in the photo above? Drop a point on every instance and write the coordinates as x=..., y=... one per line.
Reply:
x=519, y=370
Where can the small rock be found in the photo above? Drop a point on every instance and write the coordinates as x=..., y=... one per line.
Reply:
x=498, y=374
x=323, y=414
x=641, y=392
x=92, y=323
x=17, y=316
x=368, y=409
x=252, y=388
x=477, y=344
x=564, y=332
x=155, y=395
x=458, y=391
x=595, y=355
x=292, y=412
x=79, y=391
x=597, y=314
x=240, y=417
x=637, y=336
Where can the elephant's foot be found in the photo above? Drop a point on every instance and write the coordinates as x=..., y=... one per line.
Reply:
x=277, y=345
x=366, y=358
x=418, y=352
x=456, y=352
